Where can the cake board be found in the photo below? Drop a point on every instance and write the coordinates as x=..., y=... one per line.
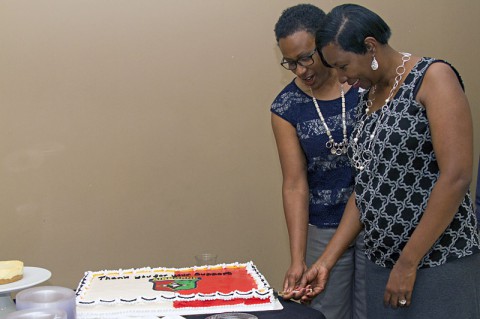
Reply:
x=183, y=312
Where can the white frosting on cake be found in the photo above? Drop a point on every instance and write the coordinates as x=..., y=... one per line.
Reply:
x=110, y=293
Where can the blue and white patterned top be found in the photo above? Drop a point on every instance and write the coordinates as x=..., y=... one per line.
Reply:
x=393, y=190
x=330, y=177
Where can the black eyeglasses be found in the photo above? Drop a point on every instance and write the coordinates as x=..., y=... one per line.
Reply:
x=303, y=61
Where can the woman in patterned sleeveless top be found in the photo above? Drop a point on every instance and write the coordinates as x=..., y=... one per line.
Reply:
x=317, y=175
x=413, y=151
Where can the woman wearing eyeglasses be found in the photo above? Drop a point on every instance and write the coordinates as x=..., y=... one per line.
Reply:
x=312, y=119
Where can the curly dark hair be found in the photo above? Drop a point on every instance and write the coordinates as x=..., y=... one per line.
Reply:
x=302, y=17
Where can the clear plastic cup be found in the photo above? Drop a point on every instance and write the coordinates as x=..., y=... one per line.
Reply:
x=206, y=259
x=48, y=297
x=37, y=314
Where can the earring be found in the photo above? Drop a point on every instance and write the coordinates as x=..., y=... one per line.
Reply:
x=374, y=64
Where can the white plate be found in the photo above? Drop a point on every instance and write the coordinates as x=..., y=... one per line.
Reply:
x=31, y=277
x=233, y=315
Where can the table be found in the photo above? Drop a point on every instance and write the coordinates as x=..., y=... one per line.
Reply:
x=290, y=310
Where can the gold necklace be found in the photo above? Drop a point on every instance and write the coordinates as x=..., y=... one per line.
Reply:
x=334, y=147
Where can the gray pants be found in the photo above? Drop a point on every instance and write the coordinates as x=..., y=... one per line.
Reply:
x=344, y=296
x=451, y=290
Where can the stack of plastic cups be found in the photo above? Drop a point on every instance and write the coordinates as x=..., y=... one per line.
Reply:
x=37, y=314
x=48, y=298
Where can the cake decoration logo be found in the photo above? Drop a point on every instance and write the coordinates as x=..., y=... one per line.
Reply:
x=174, y=284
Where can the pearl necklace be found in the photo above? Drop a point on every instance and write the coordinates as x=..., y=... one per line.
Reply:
x=335, y=148
x=363, y=152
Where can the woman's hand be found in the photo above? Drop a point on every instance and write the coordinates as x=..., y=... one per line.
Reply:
x=292, y=280
x=314, y=282
x=398, y=292
x=315, y=279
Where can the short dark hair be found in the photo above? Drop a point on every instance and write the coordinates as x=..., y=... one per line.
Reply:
x=302, y=17
x=348, y=25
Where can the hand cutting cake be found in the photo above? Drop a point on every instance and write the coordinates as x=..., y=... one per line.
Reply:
x=10, y=271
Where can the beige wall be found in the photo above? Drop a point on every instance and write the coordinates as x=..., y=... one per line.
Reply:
x=137, y=133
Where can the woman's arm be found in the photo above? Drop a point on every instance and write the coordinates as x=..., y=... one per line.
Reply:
x=317, y=275
x=450, y=122
x=295, y=194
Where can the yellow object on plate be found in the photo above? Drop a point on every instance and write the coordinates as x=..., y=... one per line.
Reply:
x=10, y=271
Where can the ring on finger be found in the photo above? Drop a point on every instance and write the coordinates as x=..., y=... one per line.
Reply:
x=402, y=302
